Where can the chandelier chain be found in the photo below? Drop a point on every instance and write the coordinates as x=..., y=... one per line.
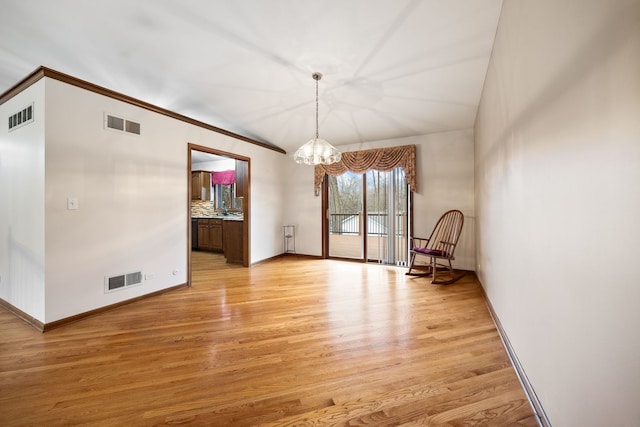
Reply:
x=317, y=151
x=317, y=122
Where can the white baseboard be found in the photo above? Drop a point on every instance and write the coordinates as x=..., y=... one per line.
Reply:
x=541, y=416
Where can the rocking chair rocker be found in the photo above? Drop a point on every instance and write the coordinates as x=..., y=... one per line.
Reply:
x=439, y=247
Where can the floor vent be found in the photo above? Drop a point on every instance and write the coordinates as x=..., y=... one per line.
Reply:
x=21, y=118
x=115, y=283
x=121, y=125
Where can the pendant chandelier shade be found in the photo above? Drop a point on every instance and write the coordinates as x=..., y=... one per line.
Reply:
x=317, y=151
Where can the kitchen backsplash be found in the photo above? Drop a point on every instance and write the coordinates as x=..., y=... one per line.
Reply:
x=202, y=208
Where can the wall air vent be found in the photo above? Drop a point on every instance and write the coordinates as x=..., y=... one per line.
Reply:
x=121, y=281
x=132, y=127
x=121, y=125
x=21, y=118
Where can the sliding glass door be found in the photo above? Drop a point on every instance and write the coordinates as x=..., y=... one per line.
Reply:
x=346, y=202
x=387, y=217
x=368, y=217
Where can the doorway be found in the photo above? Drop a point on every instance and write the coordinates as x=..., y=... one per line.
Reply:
x=367, y=217
x=218, y=207
x=346, y=205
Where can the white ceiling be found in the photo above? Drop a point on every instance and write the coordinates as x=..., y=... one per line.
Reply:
x=392, y=68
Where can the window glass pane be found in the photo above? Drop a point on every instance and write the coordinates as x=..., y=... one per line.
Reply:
x=225, y=197
x=345, y=216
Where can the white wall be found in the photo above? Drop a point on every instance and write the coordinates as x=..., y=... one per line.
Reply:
x=557, y=170
x=445, y=181
x=215, y=165
x=132, y=195
x=22, y=255
x=301, y=208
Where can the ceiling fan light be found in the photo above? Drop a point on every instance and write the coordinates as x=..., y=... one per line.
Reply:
x=317, y=152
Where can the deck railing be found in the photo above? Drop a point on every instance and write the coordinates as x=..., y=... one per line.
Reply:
x=377, y=223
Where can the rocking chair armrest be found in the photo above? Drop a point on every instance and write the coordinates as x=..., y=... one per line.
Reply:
x=419, y=240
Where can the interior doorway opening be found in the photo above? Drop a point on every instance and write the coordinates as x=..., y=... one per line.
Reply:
x=218, y=206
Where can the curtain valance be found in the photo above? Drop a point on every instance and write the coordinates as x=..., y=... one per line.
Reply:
x=381, y=159
x=223, y=177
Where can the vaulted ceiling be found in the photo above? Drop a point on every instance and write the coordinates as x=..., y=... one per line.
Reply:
x=392, y=68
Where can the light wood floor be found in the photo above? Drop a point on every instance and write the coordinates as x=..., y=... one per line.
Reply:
x=287, y=342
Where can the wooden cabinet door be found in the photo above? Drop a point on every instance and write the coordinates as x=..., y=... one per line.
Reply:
x=242, y=176
x=233, y=241
x=201, y=185
x=195, y=185
x=215, y=234
x=210, y=234
x=203, y=234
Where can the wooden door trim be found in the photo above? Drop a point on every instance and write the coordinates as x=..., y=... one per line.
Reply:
x=246, y=203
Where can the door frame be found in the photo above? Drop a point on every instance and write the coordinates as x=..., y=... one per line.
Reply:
x=325, y=223
x=326, y=214
x=246, y=203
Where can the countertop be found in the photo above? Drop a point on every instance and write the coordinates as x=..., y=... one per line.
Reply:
x=230, y=217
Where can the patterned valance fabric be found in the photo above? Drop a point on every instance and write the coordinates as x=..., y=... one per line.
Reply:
x=381, y=159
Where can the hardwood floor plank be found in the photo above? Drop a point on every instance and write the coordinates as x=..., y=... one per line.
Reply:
x=292, y=341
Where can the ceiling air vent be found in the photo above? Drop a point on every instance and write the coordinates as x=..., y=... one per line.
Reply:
x=121, y=125
x=121, y=281
x=21, y=118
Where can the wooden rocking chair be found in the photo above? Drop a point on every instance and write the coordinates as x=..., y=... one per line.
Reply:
x=439, y=247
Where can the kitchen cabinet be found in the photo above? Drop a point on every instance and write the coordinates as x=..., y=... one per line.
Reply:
x=200, y=185
x=242, y=177
x=233, y=241
x=210, y=234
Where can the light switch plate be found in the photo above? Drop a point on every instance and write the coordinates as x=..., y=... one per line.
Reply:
x=72, y=203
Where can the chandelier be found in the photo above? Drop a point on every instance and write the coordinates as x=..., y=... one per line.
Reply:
x=317, y=151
